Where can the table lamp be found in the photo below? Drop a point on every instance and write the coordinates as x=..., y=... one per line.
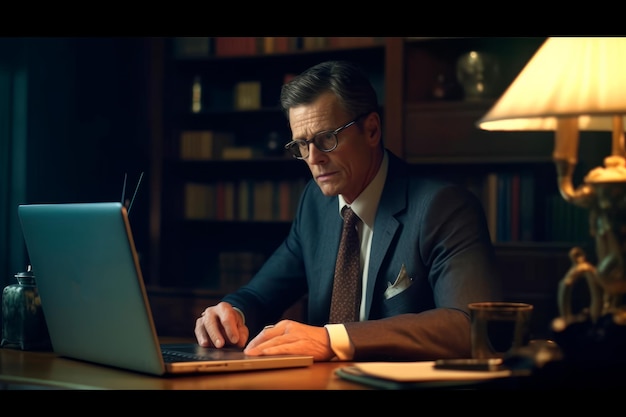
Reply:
x=575, y=84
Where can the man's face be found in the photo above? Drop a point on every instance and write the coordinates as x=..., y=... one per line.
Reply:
x=349, y=168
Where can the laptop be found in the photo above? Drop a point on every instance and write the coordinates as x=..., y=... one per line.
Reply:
x=95, y=302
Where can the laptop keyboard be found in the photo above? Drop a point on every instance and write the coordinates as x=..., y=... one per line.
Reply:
x=171, y=356
x=190, y=352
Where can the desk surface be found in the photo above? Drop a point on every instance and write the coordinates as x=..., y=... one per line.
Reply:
x=47, y=370
x=41, y=370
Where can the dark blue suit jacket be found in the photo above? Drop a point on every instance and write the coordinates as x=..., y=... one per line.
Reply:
x=437, y=230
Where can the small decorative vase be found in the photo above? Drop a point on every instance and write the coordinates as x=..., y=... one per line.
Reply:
x=23, y=322
x=479, y=74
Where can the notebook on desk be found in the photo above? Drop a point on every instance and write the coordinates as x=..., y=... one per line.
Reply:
x=94, y=299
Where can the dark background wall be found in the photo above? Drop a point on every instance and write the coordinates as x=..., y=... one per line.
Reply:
x=74, y=122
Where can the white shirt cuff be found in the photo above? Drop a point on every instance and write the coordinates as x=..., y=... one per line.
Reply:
x=340, y=342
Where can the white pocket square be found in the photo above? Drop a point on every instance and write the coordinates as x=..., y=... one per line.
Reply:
x=403, y=281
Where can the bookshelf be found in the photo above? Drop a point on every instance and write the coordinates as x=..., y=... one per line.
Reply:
x=427, y=121
x=226, y=183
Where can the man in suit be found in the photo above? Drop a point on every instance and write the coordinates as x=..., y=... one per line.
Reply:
x=426, y=251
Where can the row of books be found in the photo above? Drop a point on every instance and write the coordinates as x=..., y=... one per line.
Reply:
x=203, y=145
x=566, y=222
x=246, y=95
x=223, y=46
x=243, y=200
x=508, y=198
x=509, y=202
x=514, y=215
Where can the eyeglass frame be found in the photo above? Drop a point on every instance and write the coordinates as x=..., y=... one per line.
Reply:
x=308, y=142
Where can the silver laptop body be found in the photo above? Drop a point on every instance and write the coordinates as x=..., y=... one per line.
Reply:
x=94, y=299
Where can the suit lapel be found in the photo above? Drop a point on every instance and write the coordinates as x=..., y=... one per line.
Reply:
x=330, y=233
x=392, y=201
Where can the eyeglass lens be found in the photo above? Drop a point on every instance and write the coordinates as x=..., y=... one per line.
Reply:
x=324, y=141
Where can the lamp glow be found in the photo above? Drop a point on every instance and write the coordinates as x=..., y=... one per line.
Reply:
x=567, y=77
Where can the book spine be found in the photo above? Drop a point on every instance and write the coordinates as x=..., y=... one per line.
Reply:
x=220, y=200
x=244, y=200
x=515, y=201
x=504, y=207
x=284, y=200
x=263, y=200
x=490, y=201
x=193, y=47
x=248, y=95
x=527, y=206
x=229, y=201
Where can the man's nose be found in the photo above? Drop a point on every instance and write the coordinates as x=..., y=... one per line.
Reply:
x=315, y=155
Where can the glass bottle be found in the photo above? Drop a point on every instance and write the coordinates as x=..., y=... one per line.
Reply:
x=196, y=95
x=23, y=322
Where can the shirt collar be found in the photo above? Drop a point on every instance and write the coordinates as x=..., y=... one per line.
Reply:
x=366, y=204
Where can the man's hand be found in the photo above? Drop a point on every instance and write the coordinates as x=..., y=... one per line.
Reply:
x=221, y=325
x=291, y=337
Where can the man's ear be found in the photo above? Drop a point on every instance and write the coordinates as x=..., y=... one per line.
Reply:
x=372, y=128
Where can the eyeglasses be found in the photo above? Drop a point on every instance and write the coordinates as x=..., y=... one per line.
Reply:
x=324, y=141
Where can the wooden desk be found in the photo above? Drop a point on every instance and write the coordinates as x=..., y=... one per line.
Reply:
x=20, y=369
x=45, y=370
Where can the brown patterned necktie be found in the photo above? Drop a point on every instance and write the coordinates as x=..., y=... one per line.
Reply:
x=346, y=299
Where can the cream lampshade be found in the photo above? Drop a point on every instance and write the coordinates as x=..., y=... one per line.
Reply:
x=570, y=84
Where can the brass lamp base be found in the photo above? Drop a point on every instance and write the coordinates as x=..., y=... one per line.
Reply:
x=597, y=332
x=601, y=341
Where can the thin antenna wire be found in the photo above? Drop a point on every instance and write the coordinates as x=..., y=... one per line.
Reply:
x=124, y=188
x=135, y=193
